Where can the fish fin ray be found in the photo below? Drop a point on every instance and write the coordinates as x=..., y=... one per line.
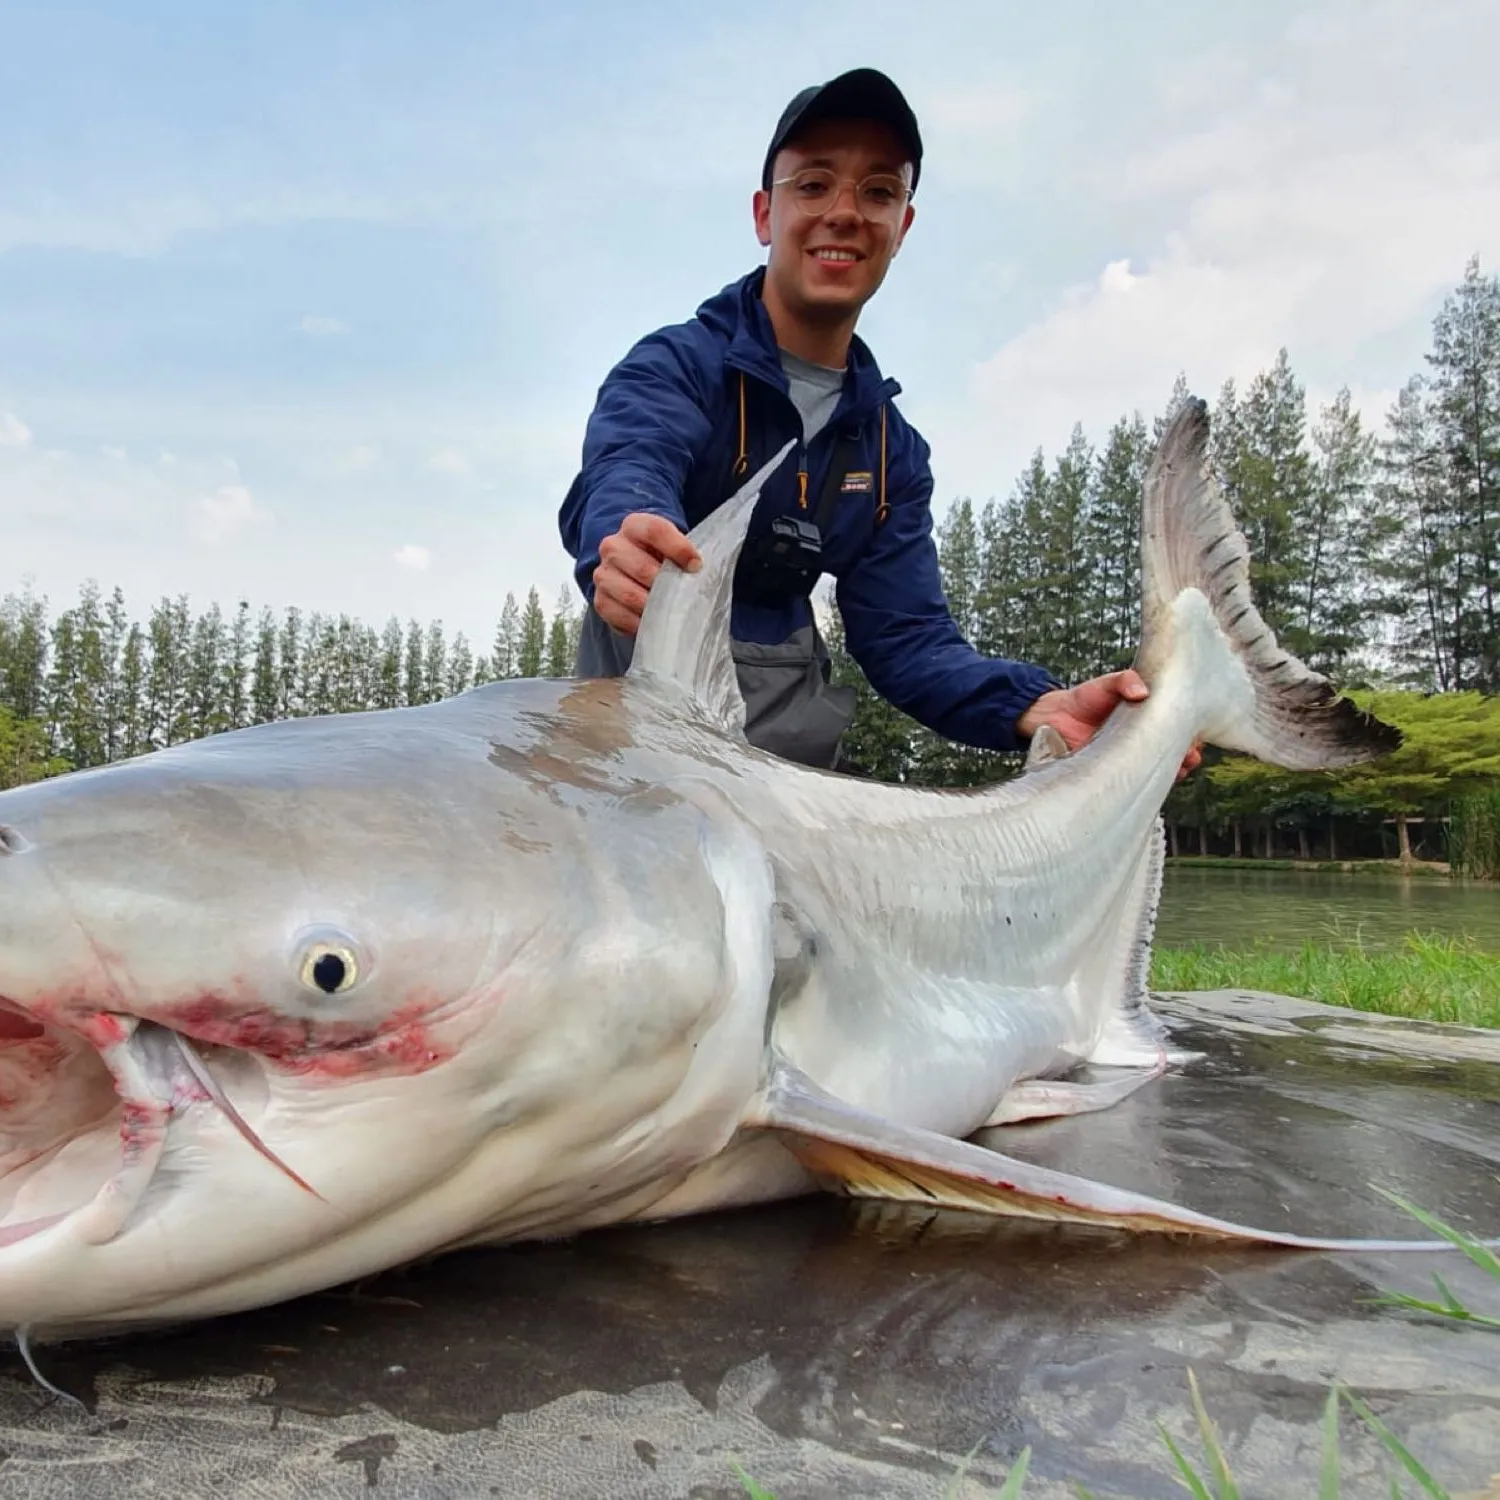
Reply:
x=1131, y=1034
x=1189, y=540
x=684, y=633
x=862, y=1155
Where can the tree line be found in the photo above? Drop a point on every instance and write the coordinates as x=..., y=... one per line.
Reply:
x=94, y=685
x=1375, y=557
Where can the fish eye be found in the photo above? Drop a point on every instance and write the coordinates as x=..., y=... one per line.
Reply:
x=330, y=966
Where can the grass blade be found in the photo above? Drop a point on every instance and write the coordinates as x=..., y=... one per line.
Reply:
x=1195, y=1485
x=1011, y=1489
x=1328, y=1476
x=1228, y=1489
x=1395, y=1447
x=751, y=1487
x=1481, y=1255
x=1453, y=1309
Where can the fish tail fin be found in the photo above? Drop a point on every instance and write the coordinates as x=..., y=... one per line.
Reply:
x=1278, y=710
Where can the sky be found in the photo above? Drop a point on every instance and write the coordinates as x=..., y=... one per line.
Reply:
x=308, y=304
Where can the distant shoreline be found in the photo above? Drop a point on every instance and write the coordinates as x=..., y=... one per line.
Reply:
x=1420, y=868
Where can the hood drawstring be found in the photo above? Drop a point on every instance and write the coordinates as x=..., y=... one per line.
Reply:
x=742, y=462
x=742, y=459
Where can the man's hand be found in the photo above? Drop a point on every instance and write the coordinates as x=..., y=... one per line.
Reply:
x=630, y=559
x=1077, y=713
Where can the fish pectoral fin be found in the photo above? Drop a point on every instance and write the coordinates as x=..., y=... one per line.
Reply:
x=867, y=1156
x=1053, y=1098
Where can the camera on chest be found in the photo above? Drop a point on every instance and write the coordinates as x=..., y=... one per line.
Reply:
x=785, y=562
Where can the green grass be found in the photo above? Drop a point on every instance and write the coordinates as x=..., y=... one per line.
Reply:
x=1214, y=1480
x=1429, y=978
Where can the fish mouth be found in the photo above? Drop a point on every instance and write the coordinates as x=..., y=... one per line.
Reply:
x=85, y=1115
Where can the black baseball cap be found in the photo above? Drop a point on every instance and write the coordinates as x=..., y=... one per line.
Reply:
x=860, y=94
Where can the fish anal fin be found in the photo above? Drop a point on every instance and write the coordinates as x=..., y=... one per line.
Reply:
x=865, y=1155
x=867, y=1174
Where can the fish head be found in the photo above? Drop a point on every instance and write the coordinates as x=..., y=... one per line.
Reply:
x=262, y=1001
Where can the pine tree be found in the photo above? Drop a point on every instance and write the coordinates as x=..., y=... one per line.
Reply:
x=205, y=711
x=63, y=686
x=23, y=669
x=167, y=635
x=1272, y=489
x=533, y=643
x=234, y=694
x=413, y=681
x=559, y=657
x=880, y=738
x=388, y=673
x=998, y=604
x=460, y=667
x=1071, y=651
x=289, y=664
x=315, y=674
x=130, y=704
x=117, y=628
x=1465, y=387
x=1332, y=611
x=265, y=690
x=434, y=663
x=79, y=684
x=1419, y=565
x=505, y=657
x=959, y=561
x=1112, y=542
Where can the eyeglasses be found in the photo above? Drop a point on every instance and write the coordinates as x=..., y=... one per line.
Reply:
x=881, y=196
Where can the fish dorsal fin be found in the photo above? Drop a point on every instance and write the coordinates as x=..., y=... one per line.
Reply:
x=1047, y=745
x=684, y=633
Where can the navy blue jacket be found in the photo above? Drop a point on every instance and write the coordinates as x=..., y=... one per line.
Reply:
x=667, y=436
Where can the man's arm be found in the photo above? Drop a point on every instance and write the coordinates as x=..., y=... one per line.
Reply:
x=901, y=632
x=623, y=514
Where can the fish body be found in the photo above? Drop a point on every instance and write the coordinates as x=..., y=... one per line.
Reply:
x=299, y=1003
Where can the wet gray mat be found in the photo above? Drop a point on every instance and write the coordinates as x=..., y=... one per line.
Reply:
x=844, y=1350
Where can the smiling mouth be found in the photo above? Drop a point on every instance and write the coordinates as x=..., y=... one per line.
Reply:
x=84, y=1120
x=836, y=257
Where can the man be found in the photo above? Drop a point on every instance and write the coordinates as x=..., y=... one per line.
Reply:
x=693, y=409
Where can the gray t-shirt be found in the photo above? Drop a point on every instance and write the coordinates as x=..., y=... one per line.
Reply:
x=815, y=392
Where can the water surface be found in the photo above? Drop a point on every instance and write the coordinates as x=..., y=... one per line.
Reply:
x=1238, y=908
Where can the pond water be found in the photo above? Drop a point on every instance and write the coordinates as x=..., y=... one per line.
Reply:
x=1237, y=908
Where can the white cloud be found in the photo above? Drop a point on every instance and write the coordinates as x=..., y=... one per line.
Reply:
x=226, y=513
x=418, y=559
x=317, y=326
x=14, y=433
x=450, y=461
x=1296, y=209
x=359, y=459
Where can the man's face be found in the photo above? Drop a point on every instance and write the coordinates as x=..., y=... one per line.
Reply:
x=830, y=264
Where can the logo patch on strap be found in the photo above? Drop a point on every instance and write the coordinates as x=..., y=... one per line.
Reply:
x=860, y=482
